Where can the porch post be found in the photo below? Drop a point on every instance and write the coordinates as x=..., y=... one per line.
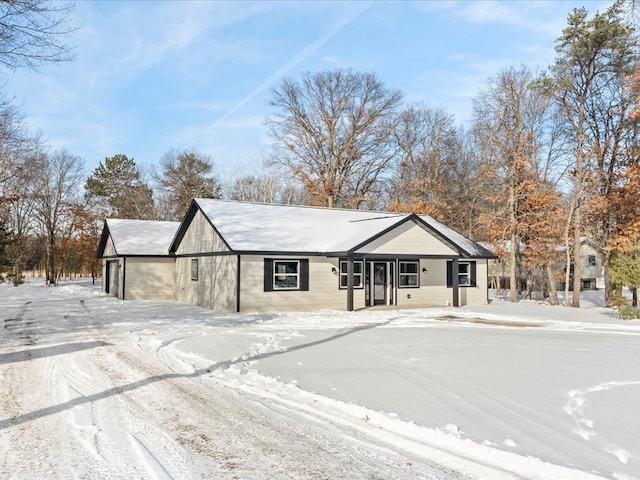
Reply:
x=454, y=282
x=350, y=283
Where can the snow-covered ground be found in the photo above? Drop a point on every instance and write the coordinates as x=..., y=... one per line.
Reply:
x=93, y=387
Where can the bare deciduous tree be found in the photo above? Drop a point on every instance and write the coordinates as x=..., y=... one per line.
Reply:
x=32, y=32
x=56, y=195
x=332, y=131
x=509, y=121
x=183, y=176
x=270, y=186
x=429, y=148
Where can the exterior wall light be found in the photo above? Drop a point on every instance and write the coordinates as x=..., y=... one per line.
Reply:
x=424, y=270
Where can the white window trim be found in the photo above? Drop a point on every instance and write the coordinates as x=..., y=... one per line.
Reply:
x=297, y=275
x=466, y=274
x=341, y=274
x=417, y=274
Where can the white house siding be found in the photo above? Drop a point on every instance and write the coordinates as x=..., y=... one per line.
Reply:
x=200, y=237
x=433, y=289
x=216, y=284
x=109, y=251
x=323, y=290
x=109, y=248
x=115, y=276
x=408, y=238
x=587, y=272
x=148, y=278
x=433, y=286
x=475, y=295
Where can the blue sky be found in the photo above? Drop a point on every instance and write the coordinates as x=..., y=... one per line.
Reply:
x=152, y=76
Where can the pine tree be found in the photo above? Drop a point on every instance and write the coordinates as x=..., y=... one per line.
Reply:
x=117, y=189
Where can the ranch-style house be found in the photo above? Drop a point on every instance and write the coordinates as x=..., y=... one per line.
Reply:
x=250, y=257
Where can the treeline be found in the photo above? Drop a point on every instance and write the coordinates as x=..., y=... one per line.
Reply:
x=548, y=159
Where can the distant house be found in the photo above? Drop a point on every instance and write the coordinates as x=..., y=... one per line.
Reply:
x=591, y=270
x=136, y=260
x=591, y=266
x=244, y=257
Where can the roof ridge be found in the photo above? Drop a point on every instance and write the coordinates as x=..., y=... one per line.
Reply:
x=390, y=215
x=311, y=207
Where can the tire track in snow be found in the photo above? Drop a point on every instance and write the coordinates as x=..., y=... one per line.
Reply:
x=349, y=456
x=382, y=461
x=116, y=429
x=49, y=458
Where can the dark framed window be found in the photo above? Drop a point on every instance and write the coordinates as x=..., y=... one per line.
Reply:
x=357, y=274
x=286, y=274
x=466, y=273
x=588, y=284
x=194, y=269
x=591, y=261
x=408, y=274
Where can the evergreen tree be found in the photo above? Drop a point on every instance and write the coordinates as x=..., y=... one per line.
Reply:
x=625, y=268
x=116, y=188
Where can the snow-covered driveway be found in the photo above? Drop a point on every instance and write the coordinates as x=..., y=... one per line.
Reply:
x=88, y=391
x=93, y=387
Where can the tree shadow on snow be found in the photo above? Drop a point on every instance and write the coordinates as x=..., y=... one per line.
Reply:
x=44, y=412
x=25, y=355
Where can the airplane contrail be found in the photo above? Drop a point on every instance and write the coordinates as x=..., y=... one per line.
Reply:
x=297, y=58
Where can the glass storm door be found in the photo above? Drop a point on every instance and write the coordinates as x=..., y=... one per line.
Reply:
x=379, y=283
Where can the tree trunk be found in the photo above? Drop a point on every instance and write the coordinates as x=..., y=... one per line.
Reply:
x=515, y=245
x=529, y=287
x=567, y=271
x=609, y=287
x=513, y=271
x=51, y=264
x=577, y=279
x=634, y=296
x=553, y=293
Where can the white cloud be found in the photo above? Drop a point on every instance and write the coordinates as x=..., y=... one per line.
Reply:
x=351, y=15
x=541, y=16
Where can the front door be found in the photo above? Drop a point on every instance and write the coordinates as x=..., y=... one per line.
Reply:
x=379, y=283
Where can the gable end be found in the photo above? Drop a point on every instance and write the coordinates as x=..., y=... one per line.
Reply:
x=188, y=221
x=104, y=236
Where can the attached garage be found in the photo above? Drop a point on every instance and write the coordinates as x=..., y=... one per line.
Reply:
x=136, y=259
